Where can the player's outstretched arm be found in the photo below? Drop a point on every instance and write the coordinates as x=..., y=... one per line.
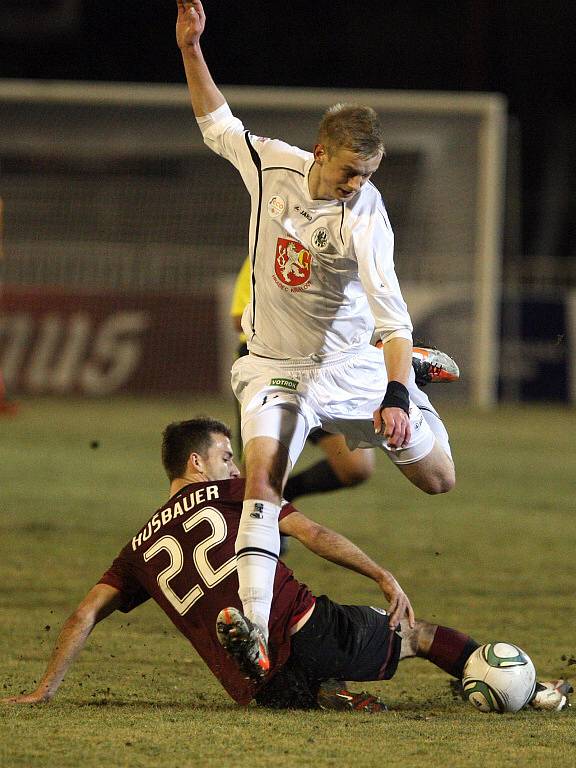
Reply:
x=99, y=603
x=338, y=549
x=204, y=94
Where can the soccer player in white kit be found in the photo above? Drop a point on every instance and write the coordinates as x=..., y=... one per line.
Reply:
x=323, y=280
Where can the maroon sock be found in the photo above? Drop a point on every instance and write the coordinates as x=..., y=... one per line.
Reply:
x=450, y=650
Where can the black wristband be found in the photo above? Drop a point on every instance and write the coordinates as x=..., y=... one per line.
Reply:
x=396, y=397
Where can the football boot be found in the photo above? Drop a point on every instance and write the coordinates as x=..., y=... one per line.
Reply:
x=244, y=641
x=432, y=366
x=552, y=695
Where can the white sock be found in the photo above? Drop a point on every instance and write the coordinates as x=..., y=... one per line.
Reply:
x=257, y=547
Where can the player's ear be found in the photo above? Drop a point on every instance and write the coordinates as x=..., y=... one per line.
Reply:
x=320, y=153
x=195, y=462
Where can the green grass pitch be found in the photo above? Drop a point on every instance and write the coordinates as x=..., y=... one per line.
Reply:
x=495, y=558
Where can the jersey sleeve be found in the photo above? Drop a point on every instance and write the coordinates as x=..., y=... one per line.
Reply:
x=373, y=245
x=286, y=509
x=121, y=576
x=226, y=135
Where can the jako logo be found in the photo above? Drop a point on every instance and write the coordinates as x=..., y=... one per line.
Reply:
x=303, y=212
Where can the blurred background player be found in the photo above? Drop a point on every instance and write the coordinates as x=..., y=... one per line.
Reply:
x=190, y=541
x=342, y=468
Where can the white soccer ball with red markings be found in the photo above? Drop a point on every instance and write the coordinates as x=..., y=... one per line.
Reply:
x=499, y=677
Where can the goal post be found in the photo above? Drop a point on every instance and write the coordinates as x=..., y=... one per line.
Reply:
x=109, y=187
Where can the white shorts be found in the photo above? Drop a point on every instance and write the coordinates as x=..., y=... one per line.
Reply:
x=286, y=399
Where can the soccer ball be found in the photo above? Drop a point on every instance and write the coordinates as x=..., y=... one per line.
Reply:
x=499, y=677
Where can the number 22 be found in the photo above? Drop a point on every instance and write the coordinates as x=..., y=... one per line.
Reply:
x=209, y=576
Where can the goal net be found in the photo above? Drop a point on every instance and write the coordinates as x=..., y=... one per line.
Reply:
x=122, y=231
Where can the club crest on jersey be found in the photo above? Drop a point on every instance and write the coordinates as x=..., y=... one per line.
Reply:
x=276, y=206
x=320, y=239
x=292, y=265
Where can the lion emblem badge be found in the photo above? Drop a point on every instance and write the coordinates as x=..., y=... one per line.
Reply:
x=292, y=265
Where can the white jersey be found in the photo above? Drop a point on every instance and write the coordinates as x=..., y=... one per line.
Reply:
x=323, y=276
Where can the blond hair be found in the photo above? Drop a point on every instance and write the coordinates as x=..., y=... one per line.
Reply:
x=354, y=127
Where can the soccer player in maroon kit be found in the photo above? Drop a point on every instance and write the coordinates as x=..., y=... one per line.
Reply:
x=183, y=558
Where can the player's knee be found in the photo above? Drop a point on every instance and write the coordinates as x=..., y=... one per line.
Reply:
x=416, y=640
x=441, y=482
x=409, y=639
x=438, y=477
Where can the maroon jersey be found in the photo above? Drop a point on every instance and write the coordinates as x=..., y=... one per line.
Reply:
x=183, y=558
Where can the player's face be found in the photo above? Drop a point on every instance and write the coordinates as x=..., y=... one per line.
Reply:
x=218, y=460
x=341, y=172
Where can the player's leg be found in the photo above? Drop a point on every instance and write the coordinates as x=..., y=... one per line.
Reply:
x=346, y=642
x=433, y=474
x=433, y=471
x=450, y=649
x=301, y=481
x=267, y=462
x=445, y=647
x=342, y=468
x=345, y=468
x=245, y=634
x=426, y=461
x=274, y=430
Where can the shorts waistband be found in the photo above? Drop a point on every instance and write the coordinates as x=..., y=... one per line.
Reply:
x=312, y=361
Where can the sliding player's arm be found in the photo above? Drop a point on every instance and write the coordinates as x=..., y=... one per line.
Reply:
x=100, y=602
x=205, y=95
x=340, y=550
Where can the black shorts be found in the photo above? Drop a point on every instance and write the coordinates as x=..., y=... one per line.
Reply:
x=317, y=435
x=345, y=642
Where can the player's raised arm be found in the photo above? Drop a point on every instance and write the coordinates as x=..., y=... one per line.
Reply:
x=190, y=24
x=338, y=549
x=99, y=603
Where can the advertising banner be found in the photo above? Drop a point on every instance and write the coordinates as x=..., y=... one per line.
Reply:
x=61, y=341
